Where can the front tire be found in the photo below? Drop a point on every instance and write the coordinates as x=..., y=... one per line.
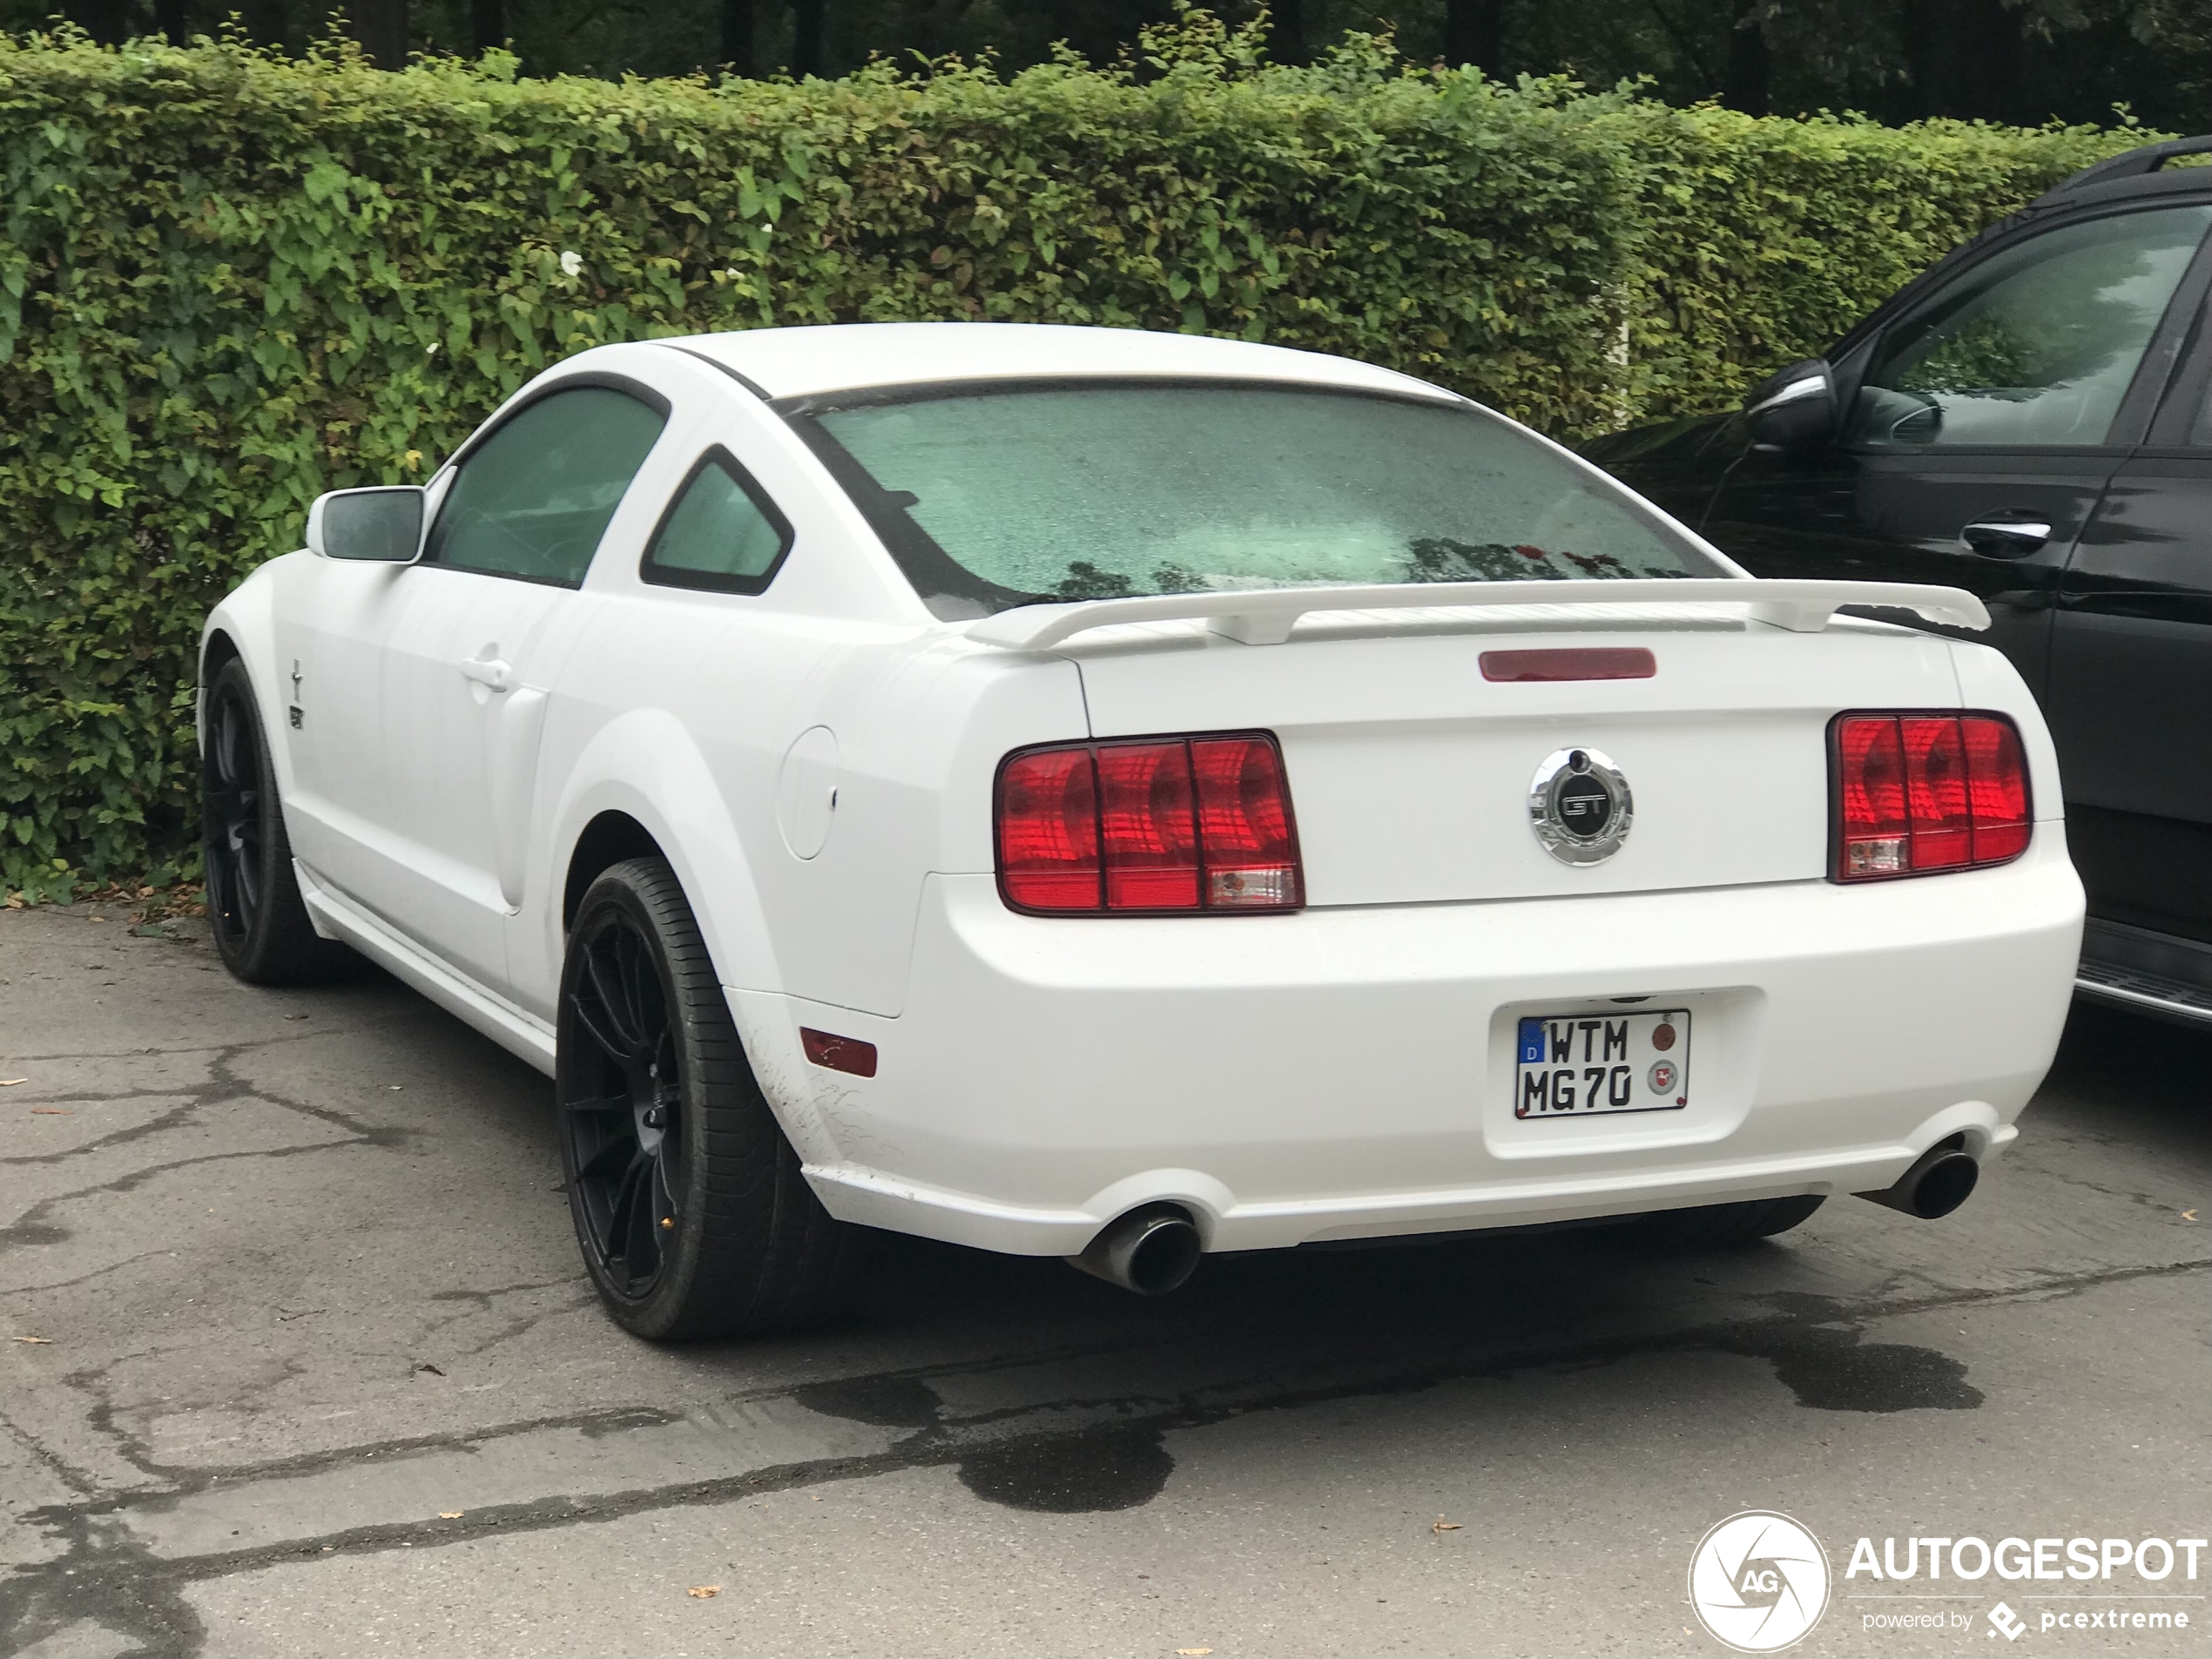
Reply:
x=254, y=910
x=689, y=1206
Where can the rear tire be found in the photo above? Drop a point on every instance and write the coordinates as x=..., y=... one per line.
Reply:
x=1723, y=1226
x=689, y=1206
x=254, y=910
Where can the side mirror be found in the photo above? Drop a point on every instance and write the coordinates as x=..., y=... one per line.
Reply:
x=1795, y=409
x=382, y=525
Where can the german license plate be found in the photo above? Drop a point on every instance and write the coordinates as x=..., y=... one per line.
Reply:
x=1583, y=1065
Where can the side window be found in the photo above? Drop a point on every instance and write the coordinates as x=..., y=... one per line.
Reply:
x=722, y=533
x=2034, y=345
x=533, y=498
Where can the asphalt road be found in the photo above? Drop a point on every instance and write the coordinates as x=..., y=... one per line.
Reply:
x=318, y=1372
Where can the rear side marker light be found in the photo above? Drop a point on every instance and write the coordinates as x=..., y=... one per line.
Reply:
x=1157, y=826
x=839, y=1053
x=1917, y=793
x=1580, y=663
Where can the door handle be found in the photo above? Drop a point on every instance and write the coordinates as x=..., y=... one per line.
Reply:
x=2004, y=538
x=489, y=672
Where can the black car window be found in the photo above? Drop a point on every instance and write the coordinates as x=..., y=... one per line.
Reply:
x=533, y=498
x=722, y=533
x=2035, y=345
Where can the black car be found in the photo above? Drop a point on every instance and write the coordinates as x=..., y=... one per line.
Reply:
x=2030, y=420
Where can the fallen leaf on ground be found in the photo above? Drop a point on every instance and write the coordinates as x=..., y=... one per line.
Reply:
x=9, y=1082
x=2188, y=1214
x=451, y=1514
x=1443, y=1525
x=1193, y=1653
x=44, y=1342
x=704, y=1592
x=51, y=1111
x=433, y=1370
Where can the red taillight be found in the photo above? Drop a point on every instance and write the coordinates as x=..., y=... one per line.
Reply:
x=1047, y=831
x=1996, y=788
x=1935, y=791
x=1915, y=793
x=1167, y=824
x=1147, y=826
x=1870, y=798
x=1244, y=818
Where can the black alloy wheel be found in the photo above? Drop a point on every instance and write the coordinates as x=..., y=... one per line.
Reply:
x=231, y=800
x=692, y=1212
x=254, y=910
x=625, y=1122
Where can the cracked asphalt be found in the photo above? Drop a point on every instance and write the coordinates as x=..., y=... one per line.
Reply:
x=296, y=1357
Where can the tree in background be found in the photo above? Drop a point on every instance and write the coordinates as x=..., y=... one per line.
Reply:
x=2014, y=61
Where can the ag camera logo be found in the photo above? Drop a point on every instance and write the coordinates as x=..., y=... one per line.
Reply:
x=1758, y=1582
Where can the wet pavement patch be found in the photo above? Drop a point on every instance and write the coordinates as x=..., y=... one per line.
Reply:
x=1067, y=1475
x=888, y=1402
x=31, y=1233
x=1829, y=1369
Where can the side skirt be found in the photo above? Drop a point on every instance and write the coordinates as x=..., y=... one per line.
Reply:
x=521, y=1035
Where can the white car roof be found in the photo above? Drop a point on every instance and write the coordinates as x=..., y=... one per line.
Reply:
x=845, y=357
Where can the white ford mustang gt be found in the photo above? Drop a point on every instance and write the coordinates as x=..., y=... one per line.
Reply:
x=1114, y=795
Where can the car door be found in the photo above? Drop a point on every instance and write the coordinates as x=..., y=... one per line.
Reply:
x=2131, y=675
x=453, y=655
x=1988, y=417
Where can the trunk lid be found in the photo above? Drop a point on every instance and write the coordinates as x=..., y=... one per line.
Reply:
x=1410, y=773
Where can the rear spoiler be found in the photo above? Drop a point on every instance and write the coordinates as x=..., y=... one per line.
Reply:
x=1265, y=616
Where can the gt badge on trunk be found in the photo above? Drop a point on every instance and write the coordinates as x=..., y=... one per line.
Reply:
x=1580, y=805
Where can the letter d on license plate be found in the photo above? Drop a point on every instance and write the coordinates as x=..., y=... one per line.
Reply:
x=1580, y=1065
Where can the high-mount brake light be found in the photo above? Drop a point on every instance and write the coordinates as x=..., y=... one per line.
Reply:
x=1570, y=663
x=1156, y=826
x=1917, y=793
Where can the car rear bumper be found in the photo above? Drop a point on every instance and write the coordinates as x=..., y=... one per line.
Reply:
x=1348, y=1073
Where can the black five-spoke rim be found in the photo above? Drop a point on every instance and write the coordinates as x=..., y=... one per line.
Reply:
x=624, y=1106
x=232, y=806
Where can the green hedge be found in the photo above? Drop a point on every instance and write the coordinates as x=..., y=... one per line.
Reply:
x=1764, y=239
x=229, y=281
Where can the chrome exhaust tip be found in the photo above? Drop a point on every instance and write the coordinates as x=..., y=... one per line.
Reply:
x=1941, y=1179
x=1151, y=1250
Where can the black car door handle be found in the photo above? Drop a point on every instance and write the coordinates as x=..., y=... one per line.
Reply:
x=2004, y=538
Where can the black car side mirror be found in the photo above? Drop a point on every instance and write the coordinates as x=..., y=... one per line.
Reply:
x=1795, y=409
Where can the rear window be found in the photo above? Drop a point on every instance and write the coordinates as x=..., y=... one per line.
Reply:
x=1004, y=497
